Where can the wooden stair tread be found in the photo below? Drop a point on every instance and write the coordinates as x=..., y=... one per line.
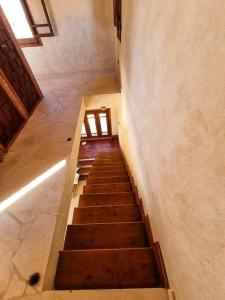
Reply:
x=106, y=236
x=106, y=269
x=106, y=214
x=107, y=188
x=86, y=159
x=107, y=199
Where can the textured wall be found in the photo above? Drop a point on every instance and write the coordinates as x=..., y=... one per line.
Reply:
x=84, y=40
x=173, y=78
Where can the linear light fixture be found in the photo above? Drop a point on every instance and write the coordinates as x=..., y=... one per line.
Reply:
x=30, y=186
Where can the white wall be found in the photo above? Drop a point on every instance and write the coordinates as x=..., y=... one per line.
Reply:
x=84, y=40
x=111, y=101
x=172, y=131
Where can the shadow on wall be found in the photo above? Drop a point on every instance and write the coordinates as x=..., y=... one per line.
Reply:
x=100, y=13
x=51, y=15
x=100, y=17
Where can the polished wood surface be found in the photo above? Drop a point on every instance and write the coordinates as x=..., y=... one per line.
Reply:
x=96, y=236
x=107, y=188
x=106, y=269
x=107, y=246
x=113, y=179
x=106, y=214
x=107, y=173
x=94, y=147
x=107, y=169
x=107, y=199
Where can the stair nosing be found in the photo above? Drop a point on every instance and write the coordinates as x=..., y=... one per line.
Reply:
x=89, y=224
x=107, y=249
x=121, y=176
x=98, y=206
x=121, y=193
x=108, y=183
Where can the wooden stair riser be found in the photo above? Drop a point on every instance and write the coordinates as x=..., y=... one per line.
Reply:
x=107, y=199
x=106, y=214
x=109, y=156
x=108, y=169
x=101, y=269
x=107, y=174
x=84, y=164
x=109, y=159
x=83, y=177
x=103, y=161
x=102, y=157
x=116, y=150
x=107, y=165
x=94, y=169
x=107, y=188
x=115, y=179
x=106, y=236
x=110, y=151
x=84, y=170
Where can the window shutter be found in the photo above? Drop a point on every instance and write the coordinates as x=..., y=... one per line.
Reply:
x=38, y=17
x=117, y=17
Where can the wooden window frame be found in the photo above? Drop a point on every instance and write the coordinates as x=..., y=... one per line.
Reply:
x=36, y=40
x=117, y=9
x=96, y=112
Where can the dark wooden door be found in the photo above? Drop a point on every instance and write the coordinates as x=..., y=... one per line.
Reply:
x=19, y=91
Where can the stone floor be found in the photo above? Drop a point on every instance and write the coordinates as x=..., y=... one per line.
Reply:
x=27, y=226
x=122, y=294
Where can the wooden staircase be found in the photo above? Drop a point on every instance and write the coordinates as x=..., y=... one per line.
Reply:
x=107, y=246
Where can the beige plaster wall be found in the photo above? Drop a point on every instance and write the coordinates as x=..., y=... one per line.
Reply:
x=111, y=101
x=172, y=131
x=84, y=37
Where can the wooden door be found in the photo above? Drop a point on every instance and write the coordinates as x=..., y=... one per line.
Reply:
x=19, y=91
